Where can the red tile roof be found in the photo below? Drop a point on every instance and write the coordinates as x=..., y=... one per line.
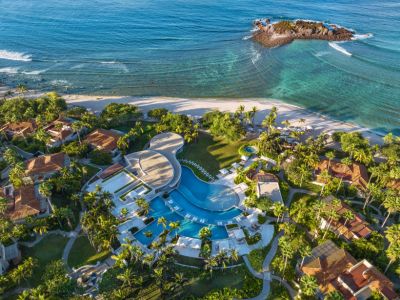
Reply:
x=20, y=128
x=45, y=164
x=356, y=173
x=25, y=203
x=105, y=140
x=59, y=134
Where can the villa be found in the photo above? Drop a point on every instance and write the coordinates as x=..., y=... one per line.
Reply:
x=268, y=186
x=348, y=229
x=19, y=129
x=355, y=174
x=336, y=270
x=60, y=132
x=8, y=253
x=23, y=202
x=45, y=166
x=104, y=140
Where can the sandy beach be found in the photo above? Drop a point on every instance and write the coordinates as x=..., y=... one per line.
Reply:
x=198, y=106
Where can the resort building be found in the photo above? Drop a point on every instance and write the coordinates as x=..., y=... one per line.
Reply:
x=268, y=186
x=22, y=129
x=348, y=229
x=104, y=140
x=8, y=253
x=336, y=270
x=45, y=166
x=23, y=202
x=60, y=132
x=355, y=174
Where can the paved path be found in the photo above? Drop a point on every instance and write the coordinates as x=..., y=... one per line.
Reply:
x=266, y=275
x=73, y=236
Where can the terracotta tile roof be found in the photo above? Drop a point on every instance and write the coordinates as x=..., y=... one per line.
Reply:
x=102, y=139
x=111, y=170
x=45, y=164
x=20, y=128
x=336, y=269
x=357, y=174
x=25, y=203
x=326, y=268
x=356, y=228
x=363, y=275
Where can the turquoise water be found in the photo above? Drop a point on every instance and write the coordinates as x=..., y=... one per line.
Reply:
x=213, y=197
x=193, y=48
x=187, y=228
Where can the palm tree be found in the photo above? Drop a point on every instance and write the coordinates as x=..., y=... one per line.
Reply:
x=287, y=251
x=308, y=285
x=304, y=172
x=43, y=136
x=330, y=155
x=392, y=233
x=162, y=221
x=175, y=226
x=46, y=188
x=348, y=216
x=205, y=233
x=144, y=205
x=332, y=215
x=279, y=210
x=16, y=175
x=234, y=255
x=254, y=111
x=3, y=205
x=393, y=253
x=391, y=203
x=122, y=143
x=304, y=252
x=77, y=126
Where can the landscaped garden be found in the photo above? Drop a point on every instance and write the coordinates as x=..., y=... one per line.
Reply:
x=83, y=253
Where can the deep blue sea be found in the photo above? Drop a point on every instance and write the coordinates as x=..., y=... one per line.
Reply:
x=200, y=48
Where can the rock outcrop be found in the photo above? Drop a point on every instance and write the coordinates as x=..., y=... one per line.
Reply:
x=283, y=32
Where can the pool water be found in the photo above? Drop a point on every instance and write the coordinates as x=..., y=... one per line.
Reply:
x=213, y=197
x=187, y=228
x=250, y=149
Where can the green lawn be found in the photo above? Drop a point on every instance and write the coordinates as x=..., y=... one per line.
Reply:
x=212, y=153
x=91, y=171
x=278, y=291
x=82, y=253
x=49, y=249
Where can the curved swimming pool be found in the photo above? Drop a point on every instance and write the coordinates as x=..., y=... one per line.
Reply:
x=213, y=197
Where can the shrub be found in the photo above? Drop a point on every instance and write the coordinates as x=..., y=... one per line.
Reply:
x=261, y=219
x=157, y=113
x=100, y=157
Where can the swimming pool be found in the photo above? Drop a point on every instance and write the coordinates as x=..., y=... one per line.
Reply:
x=187, y=228
x=116, y=182
x=213, y=197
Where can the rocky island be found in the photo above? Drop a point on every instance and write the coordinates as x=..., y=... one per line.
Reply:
x=283, y=32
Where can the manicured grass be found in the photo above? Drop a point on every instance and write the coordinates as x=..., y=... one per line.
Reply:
x=91, y=171
x=49, y=249
x=212, y=153
x=196, y=172
x=82, y=253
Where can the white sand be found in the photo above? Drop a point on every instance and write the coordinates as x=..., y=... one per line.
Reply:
x=199, y=106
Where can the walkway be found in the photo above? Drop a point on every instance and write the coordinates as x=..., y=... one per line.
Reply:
x=266, y=275
x=73, y=236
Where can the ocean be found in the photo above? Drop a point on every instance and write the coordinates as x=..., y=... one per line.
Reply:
x=201, y=48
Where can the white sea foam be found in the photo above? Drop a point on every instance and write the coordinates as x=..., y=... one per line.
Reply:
x=362, y=36
x=116, y=65
x=247, y=37
x=35, y=72
x=322, y=53
x=60, y=82
x=339, y=48
x=10, y=55
x=9, y=70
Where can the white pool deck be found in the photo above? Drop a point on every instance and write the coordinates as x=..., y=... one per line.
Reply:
x=113, y=183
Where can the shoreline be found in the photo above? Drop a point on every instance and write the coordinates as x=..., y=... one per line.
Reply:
x=196, y=107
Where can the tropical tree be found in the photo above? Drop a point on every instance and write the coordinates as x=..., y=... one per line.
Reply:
x=205, y=233
x=392, y=233
x=286, y=250
x=393, y=253
x=144, y=205
x=162, y=221
x=21, y=89
x=175, y=226
x=77, y=126
x=330, y=155
x=304, y=252
x=270, y=121
x=16, y=175
x=43, y=136
x=308, y=285
x=46, y=188
x=391, y=202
